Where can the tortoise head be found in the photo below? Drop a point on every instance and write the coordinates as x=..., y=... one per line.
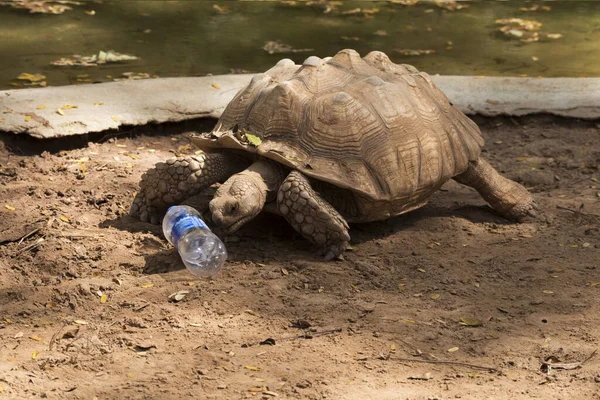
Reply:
x=241, y=198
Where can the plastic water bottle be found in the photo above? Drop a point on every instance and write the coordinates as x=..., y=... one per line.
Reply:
x=202, y=252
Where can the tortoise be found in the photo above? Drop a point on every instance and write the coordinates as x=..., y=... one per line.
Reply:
x=332, y=141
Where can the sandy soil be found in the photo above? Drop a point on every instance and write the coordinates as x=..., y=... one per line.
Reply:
x=84, y=289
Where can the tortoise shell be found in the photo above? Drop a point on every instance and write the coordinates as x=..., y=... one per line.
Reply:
x=380, y=129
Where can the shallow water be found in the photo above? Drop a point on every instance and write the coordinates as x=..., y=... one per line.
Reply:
x=188, y=38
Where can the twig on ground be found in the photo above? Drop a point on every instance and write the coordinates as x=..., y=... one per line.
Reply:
x=33, y=232
x=456, y=363
x=31, y=246
x=577, y=211
x=548, y=366
x=306, y=335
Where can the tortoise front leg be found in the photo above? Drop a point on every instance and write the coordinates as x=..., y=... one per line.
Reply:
x=312, y=216
x=507, y=197
x=179, y=178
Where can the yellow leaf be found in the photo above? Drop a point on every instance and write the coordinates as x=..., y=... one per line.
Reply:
x=147, y=285
x=393, y=347
x=35, y=355
x=98, y=104
x=526, y=235
x=27, y=118
x=452, y=349
x=90, y=12
x=1, y=389
x=114, y=118
x=284, y=271
x=103, y=298
x=41, y=107
x=435, y=296
x=469, y=321
x=216, y=86
x=492, y=101
x=251, y=368
x=60, y=112
x=9, y=207
x=595, y=284
x=253, y=139
x=63, y=218
x=547, y=291
x=31, y=77
x=37, y=338
x=68, y=107
x=420, y=270
x=50, y=304
x=356, y=289
x=130, y=375
x=410, y=321
x=80, y=322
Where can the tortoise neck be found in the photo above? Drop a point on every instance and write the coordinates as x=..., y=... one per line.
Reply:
x=270, y=173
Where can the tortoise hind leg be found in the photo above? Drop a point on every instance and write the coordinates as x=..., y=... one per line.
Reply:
x=179, y=178
x=312, y=216
x=507, y=197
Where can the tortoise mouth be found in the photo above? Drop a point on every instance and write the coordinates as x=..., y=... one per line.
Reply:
x=233, y=228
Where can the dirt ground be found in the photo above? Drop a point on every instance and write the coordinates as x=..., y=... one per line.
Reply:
x=449, y=301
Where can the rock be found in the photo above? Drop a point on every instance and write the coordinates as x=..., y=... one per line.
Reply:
x=303, y=384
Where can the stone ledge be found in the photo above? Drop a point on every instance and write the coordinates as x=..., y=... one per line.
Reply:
x=162, y=100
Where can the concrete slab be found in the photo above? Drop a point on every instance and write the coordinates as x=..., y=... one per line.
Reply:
x=107, y=106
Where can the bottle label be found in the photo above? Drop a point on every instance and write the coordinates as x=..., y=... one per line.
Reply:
x=184, y=224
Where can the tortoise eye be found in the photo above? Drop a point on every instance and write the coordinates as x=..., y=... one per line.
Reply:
x=232, y=208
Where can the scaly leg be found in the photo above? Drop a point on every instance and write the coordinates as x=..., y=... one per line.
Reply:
x=507, y=197
x=179, y=178
x=312, y=216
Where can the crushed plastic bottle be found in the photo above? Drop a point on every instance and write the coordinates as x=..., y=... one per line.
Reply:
x=202, y=252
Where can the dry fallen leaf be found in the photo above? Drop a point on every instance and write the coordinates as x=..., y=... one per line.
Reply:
x=215, y=86
x=147, y=285
x=40, y=107
x=80, y=322
x=452, y=349
x=35, y=355
x=27, y=118
x=435, y=296
x=252, y=368
x=114, y=118
x=9, y=207
x=178, y=296
x=103, y=298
